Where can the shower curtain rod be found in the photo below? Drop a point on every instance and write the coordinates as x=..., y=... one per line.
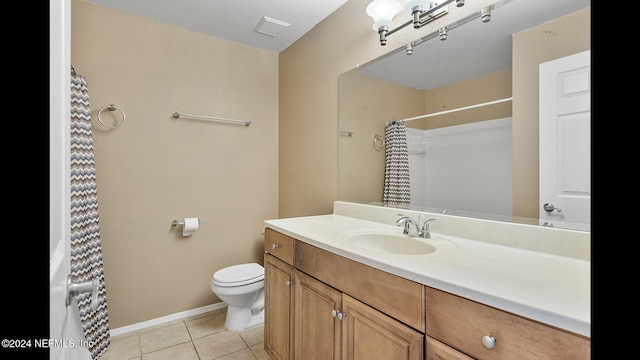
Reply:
x=454, y=110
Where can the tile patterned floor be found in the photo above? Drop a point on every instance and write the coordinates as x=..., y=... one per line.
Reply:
x=200, y=337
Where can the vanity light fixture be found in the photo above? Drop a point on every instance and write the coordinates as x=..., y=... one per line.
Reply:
x=417, y=7
x=382, y=12
x=422, y=12
x=485, y=14
x=442, y=33
x=409, y=48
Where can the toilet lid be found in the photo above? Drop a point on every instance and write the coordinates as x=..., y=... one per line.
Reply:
x=239, y=274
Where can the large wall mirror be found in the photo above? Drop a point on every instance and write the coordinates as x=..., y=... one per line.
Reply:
x=470, y=104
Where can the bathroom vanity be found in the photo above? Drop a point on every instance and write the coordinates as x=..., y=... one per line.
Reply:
x=328, y=297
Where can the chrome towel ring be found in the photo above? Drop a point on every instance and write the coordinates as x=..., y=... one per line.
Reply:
x=112, y=107
x=378, y=142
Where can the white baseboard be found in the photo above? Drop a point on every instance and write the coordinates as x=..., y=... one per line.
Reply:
x=164, y=319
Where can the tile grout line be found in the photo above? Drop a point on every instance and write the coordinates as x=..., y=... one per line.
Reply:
x=192, y=332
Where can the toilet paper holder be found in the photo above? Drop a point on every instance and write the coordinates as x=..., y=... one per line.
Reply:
x=176, y=222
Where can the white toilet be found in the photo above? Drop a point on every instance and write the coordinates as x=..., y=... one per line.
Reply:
x=241, y=287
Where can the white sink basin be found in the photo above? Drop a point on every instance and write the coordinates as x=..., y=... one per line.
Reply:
x=391, y=243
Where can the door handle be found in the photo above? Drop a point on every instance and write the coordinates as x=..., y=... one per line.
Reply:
x=549, y=208
x=76, y=288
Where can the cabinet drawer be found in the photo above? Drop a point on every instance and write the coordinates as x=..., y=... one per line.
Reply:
x=461, y=324
x=279, y=245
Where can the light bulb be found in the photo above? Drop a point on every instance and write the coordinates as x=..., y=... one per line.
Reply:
x=382, y=12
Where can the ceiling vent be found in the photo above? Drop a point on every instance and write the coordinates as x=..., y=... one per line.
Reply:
x=269, y=26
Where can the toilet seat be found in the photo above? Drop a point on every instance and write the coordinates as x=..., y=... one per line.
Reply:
x=238, y=275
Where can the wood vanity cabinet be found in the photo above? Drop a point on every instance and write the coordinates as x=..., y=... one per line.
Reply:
x=462, y=323
x=317, y=330
x=325, y=320
x=279, y=245
x=278, y=294
x=369, y=334
x=278, y=314
x=439, y=351
x=319, y=305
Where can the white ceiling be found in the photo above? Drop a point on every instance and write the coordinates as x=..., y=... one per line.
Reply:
x=234, y=20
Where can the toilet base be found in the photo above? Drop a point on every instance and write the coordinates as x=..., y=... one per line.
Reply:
x=256, y=320
x=239, y=319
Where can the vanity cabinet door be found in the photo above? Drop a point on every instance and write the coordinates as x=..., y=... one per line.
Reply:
x=439, y=351
x=279, y=310
x=317, y=319
x=369, y=334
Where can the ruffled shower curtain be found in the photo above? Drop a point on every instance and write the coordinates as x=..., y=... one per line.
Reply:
x=397, y=184
x=86, y=248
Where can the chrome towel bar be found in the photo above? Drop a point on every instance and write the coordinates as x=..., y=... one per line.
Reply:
x=178, y=115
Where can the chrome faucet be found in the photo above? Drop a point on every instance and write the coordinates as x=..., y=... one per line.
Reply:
x=407, y=221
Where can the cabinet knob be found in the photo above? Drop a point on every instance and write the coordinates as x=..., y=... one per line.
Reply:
x=289, y=282
x=488, y=342
x=338, y=314
x=274, y=246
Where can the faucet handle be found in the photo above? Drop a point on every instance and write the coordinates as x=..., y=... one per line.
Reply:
x=426, y=232
x=403, y=219
x=426, y=222
x=425, y=226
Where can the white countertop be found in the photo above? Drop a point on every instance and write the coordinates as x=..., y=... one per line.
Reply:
x=552, y=289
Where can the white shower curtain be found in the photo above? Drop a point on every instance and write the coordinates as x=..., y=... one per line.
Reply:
x=86, y=248
x=397, y=184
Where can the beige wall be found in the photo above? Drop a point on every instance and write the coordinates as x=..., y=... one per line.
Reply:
x=156, y=168
x=482, y=89
x=364, y=107
x=532, y=47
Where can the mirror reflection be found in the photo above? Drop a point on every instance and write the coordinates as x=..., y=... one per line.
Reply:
x=470, y=106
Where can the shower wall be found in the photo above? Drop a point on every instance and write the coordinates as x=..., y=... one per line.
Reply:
x=464, y=167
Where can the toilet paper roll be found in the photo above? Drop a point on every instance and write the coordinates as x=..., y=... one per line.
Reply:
x=190, y=225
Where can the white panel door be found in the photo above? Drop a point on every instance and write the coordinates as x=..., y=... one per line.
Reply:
x=65, y=331
x=565, y=142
